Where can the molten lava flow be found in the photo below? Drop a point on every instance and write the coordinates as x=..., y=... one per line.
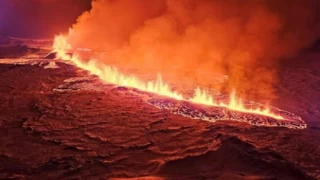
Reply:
x=61, y=47
x=202, y=97
x=113, y=76
x=237, y=105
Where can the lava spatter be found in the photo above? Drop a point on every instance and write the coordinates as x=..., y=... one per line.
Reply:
x=256, y=115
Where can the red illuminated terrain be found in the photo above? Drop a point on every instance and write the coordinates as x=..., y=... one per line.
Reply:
x=160, y=89
x=59, y=122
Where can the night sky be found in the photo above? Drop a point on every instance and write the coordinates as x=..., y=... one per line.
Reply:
x=39, y=18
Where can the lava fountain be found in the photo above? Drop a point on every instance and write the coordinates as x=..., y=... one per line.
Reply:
x=201, y=97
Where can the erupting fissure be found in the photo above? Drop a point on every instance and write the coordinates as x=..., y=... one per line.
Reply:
x=112, y=75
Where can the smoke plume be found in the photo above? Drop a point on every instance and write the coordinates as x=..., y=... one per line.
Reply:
x=197, y=39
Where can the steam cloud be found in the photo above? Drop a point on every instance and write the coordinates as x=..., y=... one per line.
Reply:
x=200, y=38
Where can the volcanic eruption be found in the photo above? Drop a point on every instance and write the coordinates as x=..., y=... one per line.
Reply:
x=189, y=38
x=159, y=89
x=112, y=75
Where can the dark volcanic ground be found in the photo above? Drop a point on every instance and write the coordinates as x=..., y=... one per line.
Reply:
x=114, y=134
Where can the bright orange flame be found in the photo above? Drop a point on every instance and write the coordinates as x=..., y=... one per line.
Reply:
x=113, y=76
x=61, y=46
x=237, y=105
x=202, y=97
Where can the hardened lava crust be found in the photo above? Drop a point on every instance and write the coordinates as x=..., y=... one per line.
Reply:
x=212, y=114
x=191, y=110
x=59, y=122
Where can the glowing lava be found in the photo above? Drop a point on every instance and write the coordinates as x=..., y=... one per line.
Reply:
x=113, y=76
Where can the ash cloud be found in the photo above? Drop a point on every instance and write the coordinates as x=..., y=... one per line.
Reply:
x=198, y=38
